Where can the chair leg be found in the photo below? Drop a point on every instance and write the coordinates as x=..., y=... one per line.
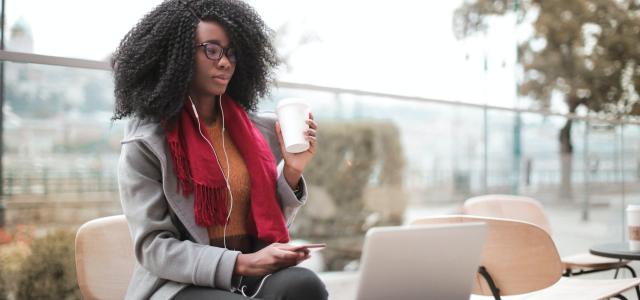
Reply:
x=633, y=274
x=567, y=272
x=494, y=289
x=631, y=270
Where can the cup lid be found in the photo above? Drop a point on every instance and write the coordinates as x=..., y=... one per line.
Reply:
x=633, y=207
x=289, y=101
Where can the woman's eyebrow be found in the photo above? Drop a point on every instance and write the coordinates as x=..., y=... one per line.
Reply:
x=214, y=41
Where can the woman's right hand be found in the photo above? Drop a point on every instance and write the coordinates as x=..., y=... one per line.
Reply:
x=268, y=260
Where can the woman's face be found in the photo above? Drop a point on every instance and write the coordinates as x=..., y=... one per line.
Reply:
x=215, y=61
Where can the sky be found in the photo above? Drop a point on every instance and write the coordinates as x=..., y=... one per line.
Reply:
x=404, y=47
x=407, y=48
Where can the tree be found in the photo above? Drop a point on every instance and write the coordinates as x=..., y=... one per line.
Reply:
x=584, y=50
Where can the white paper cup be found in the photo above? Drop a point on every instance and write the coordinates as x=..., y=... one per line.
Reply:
x=292, y=114
x=633, y=226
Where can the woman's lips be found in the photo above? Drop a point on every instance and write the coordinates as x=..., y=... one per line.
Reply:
x=222, y=79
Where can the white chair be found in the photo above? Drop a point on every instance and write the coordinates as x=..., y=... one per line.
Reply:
x=530, y=210
x=104, y=258
x=520, y=258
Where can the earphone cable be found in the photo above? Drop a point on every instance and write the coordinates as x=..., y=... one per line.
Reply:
x=226, y=180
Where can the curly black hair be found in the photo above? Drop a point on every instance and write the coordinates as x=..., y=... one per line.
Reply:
x=155, y=62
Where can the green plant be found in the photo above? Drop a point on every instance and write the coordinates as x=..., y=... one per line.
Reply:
x=49, y=272
x=354, y=155
x=5, y=237
x=4, y=291
x=14, y=249
x=355, y=160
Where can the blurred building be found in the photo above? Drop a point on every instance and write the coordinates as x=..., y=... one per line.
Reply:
x=20, y=37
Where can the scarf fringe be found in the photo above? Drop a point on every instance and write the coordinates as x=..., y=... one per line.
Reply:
x=210, y=205
x=183, y=172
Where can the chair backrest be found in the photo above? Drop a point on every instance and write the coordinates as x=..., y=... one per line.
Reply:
x=519, y=256
x=508, y=207
x=104, y=258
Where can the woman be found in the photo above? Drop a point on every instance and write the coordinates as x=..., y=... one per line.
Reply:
x=207, y=208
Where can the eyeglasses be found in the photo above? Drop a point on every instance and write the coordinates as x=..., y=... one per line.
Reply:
x=214, y=51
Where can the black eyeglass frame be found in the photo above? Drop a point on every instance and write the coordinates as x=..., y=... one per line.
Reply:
x=224, y=52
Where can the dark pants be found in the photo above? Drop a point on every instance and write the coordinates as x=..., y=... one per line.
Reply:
x=287, y=284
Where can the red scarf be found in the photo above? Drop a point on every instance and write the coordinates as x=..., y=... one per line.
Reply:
x=197, y=169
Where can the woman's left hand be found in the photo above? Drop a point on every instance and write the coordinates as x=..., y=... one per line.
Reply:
x=294, y=163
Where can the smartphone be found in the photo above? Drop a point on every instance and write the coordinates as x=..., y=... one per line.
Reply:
x=308, y=246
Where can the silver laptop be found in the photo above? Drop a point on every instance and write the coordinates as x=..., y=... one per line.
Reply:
x=421, y=262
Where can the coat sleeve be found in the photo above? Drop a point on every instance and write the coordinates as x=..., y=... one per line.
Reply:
x=157, y=244
x=289, y=203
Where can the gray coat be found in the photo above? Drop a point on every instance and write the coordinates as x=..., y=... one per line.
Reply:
x=171, y=251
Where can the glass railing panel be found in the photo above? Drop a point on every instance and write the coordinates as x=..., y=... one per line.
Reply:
x=60, y=147
x=386, y=160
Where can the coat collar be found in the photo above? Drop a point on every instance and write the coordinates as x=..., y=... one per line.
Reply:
x=152, y=135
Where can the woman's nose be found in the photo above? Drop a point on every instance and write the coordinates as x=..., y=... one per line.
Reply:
x=224, y=63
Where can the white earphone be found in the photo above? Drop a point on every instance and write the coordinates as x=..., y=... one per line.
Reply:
x=226, y=179
x=224, y=149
